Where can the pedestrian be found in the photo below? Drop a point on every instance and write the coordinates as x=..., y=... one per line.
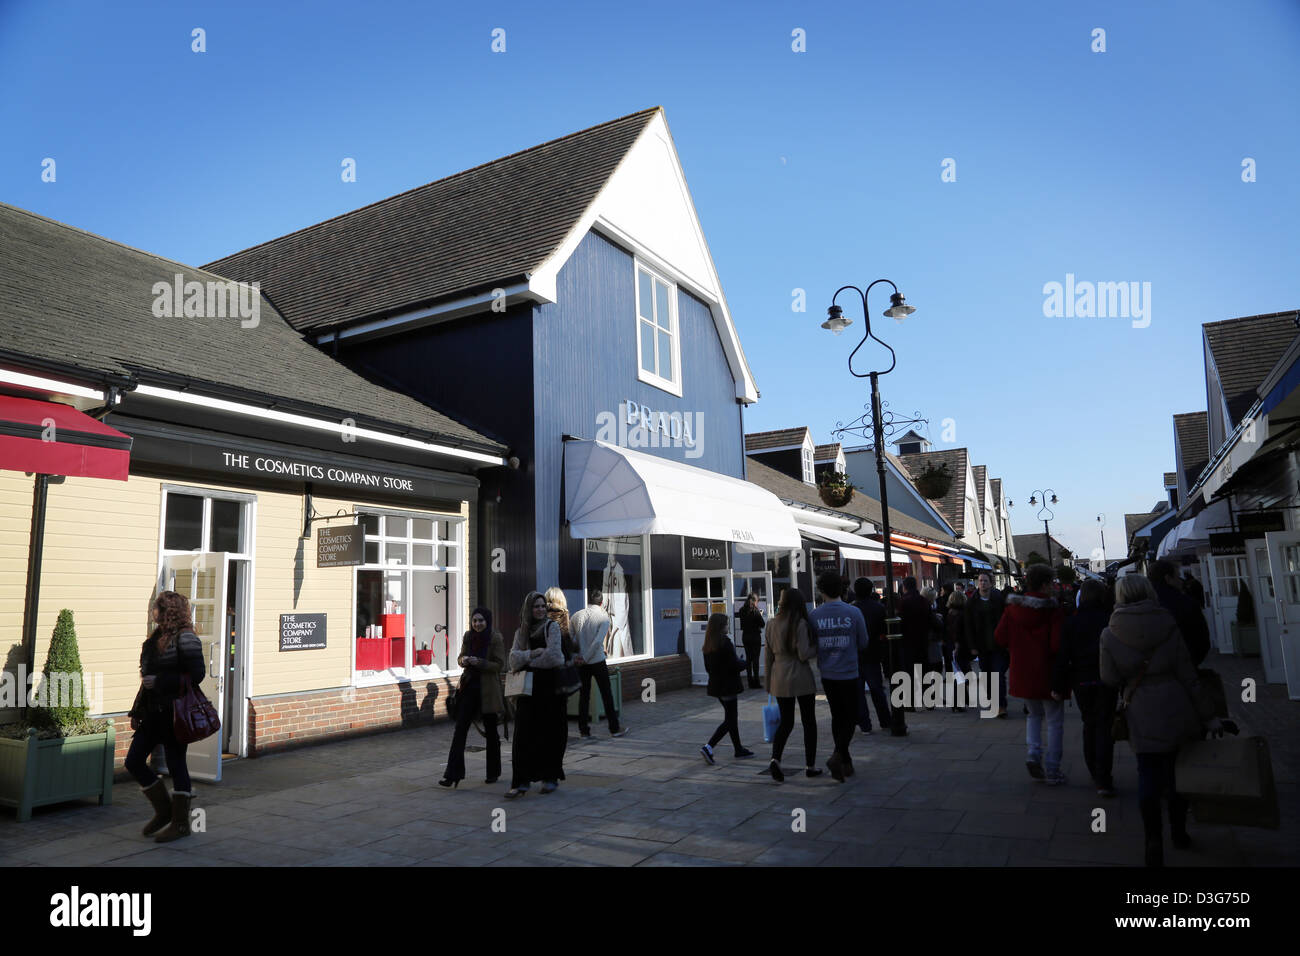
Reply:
x=751, y=630
x=171, y=652
x=983, y=613
x=482, y=659
x=588, y=628
x=540, y=721
x=954, y=656
x=938, y=631
x=1077, y=671
x=724, y=669
x=841, y=636
x=1031, y=630
x=1144, y=656
x=916, y=621
x=1192, y=588
x=790, y=678
x=873, y=661
x=1186, y=611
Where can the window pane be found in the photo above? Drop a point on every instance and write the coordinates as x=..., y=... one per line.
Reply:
x=666, y=355
x=396, y=527
x=647, y=347
x=184, y=524
x=662, y=315
x=422, y=528
x=370, y=524
x=615, y=567
x=646, y=299
x=422, y=554
x=395, y=553
x=224, y=531
x=372, y=552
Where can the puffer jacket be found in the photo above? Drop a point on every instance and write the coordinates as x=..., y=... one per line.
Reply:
x=790, y=659
x=1031, y=630
x=1166, y=709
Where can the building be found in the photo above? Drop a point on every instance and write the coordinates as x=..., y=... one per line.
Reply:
x=564, y=301
x=238, y=446
x=1027, y=544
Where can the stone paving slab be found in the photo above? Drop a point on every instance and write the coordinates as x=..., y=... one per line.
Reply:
x=953, y=793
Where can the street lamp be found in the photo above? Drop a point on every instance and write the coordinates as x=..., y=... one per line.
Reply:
x=1101, y=526
x=837, y=322
x=1045, y=514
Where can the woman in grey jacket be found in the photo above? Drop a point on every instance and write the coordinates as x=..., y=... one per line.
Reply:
x=791, y=652
x=1143, y=654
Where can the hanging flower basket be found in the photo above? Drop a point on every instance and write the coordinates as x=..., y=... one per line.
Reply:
x=834, y=489
x=934, y=482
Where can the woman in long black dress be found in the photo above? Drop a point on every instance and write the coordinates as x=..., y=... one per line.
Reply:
x=482, y=657
x=538, y=752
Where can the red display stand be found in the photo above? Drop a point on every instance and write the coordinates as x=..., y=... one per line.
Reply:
x=423, y=658
x=372, y=655
x=397, y=651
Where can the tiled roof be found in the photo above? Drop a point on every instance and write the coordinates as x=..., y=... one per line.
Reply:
x=952, y=505
x=863, y=506
x=1245, y=351
x=782, y=438
x=75, y=298
x=1192, y=429
x=980, y=474
x=1133, y=522
x=826, y=452
x=1171, y=479
x=995, y=486
x=1025, y=543
x=486, y=227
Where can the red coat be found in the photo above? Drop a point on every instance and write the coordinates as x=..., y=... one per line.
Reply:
x=1031, y=630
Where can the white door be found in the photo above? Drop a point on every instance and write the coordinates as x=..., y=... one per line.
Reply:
x=1270, y=646
x=1226, y=574
x=707, y=593
x=1284, y=560
x=202, y=578
x=744, y=583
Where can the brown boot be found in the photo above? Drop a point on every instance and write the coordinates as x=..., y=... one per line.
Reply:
x=157, y=794
x=180, y=825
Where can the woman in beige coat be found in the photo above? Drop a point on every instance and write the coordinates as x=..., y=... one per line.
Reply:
x=791, y=652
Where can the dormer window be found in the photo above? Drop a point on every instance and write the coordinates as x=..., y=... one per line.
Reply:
x=658, y=352
x=808, y=466
x=910, y=448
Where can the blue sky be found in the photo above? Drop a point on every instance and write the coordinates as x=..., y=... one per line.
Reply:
x=809, y=171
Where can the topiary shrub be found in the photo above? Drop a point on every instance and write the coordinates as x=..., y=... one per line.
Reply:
x=62, y=695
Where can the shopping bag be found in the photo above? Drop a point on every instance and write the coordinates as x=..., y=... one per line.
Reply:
x=771, y=719
x=1228, y=780
x=519, y=684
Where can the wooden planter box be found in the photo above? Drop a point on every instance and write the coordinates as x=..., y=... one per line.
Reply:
x=34, y=773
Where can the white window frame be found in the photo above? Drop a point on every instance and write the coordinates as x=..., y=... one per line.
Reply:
x=671, y=385
x=647, y=594
x=809, y=468
x=205, y=530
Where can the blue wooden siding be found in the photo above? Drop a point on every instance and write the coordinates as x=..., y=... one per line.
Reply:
x=585, y=357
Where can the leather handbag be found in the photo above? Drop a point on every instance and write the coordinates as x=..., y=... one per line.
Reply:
x=1229, y=780
x=567, y=680
x=193, y=716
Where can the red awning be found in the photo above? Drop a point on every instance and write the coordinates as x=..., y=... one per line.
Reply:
x=54, y=439
x=926, y=554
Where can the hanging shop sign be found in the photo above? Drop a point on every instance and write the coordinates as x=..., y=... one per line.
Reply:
x=1227, y=543
x=302, y=632
x=340, y=547
x=825, y=561
x=670, y=612
x=705, y=555
x=1255, y=524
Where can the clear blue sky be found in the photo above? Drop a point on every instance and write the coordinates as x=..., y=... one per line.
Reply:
x=809, y=170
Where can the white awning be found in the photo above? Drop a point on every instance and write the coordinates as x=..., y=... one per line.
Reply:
x=852, y=546
x=1193, y=532
x=611, y=491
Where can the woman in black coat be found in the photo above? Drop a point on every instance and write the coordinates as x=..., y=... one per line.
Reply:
x=1078, y=669
x=724, y=669
x=751, y=630
x=171, y=652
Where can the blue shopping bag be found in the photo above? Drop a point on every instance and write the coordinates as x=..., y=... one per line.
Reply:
x=771, y=719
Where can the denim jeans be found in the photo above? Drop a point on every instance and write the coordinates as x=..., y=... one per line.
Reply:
x=155, y=729
x=1055, y=713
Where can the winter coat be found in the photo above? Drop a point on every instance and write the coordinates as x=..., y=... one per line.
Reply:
x=873, y=612
x=1187, y=615
x=184, y=656
x=724, y=669
x=1031, y=630
x=751, y=624
x=1080, y=655
x=492, y=697
x=789, y=659
x=916, y=619
x=1166, y=709
x=980, y=621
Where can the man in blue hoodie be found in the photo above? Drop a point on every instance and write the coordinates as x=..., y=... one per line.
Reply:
x=841, y=633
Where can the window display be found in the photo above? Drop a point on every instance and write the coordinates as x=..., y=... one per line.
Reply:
x=615, y=566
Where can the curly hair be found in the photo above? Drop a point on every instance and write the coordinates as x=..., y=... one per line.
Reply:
x=174, y=616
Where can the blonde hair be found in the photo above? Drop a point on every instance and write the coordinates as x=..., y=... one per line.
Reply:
x=956, y=599
x=1133, y=588
x=555, y=597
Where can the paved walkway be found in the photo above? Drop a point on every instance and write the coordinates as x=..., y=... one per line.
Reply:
x=954, y=792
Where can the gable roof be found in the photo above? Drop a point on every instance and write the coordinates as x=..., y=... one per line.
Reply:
x=1171, y=479
x=980, y=474
x=74, y=298
x=781, y=438
x=995, y=486
x=862, y=505
x=826, y=452
x=486, y=227
x=1244, y=352
x=1134, y=522
x=1192, y=431
x=1025, y=543
x=910, y=435
x=952, y=505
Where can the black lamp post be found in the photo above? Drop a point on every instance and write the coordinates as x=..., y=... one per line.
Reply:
x=1045, y=514
x=1101, y=526
x=837, y=323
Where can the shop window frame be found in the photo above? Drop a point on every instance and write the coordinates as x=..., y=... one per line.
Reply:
x=647, y=594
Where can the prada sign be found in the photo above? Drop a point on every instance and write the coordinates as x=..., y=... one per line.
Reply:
x=705, y=555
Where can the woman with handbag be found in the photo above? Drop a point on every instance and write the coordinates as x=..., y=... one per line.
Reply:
x=483, y=658
x=1143, y=654
x=171, y=652
x=724, y=669
x=790, y=653
x=540, y=722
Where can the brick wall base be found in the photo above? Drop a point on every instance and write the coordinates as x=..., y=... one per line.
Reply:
x=668, y=673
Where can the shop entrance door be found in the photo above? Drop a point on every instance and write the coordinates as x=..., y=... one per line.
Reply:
x=1226, y=576
x=1284, y=560
x=743, y=584
x=203, y=579
x=706, y=593
x=1270, y=645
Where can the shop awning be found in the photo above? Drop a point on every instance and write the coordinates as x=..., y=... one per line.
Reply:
x=852, y=546
x=50, y=438
x=924, y=552
x=611, y=491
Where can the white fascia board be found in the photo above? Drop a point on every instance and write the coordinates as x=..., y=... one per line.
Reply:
x=816, y=518
x=765, y=451
x=51, y=386
x=609, y=214
x=303, y=421
x=444, y=312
